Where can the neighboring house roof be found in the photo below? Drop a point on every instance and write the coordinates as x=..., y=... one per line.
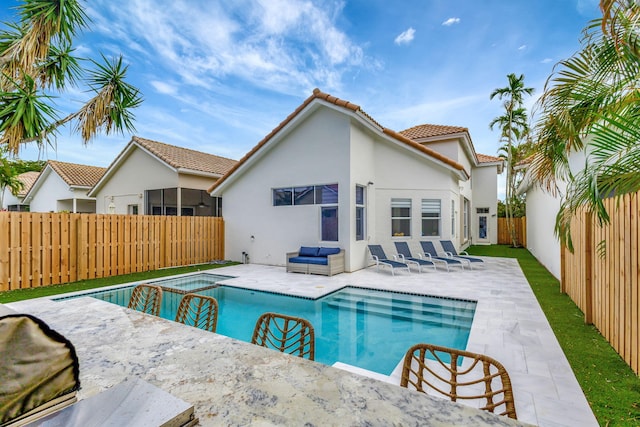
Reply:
x=483, y=158
x=319, y=96
x=428, y=131
x=27, y=179
x=76, y=175
x=73, y=174
x=180, y=159
x=184, y=158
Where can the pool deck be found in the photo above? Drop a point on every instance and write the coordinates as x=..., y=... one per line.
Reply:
x=509, y=325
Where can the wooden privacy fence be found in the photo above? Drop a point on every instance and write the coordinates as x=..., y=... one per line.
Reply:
x=504, y=237
x=40, y=249
x=602, y=276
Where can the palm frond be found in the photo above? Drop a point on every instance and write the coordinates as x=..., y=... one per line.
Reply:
x=110, y=109
x=23, y=114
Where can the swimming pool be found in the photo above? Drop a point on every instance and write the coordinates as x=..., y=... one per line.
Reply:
x=367, y=328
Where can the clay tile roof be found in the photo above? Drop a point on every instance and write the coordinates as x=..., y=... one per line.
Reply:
x=77, y=175
x=27, y=179
x=483, y=158
x=184, y=158
x=427, y=131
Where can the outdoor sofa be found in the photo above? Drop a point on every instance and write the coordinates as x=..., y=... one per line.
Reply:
x=316, y=260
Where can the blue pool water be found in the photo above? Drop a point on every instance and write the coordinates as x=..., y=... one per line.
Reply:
x=366, y=328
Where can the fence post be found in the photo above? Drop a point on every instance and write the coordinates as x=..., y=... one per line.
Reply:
x=588, y=268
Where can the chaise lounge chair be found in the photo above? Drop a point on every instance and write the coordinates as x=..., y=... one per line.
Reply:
x=405, y=255
x=450, y=249
x=431, y=253
x=381, y=259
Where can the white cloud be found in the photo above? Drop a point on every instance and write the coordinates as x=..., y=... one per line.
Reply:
x=163, y=87
x=405, y=37
x=522, y=47
x=281, y=45
x=451, y=21
x=546, y=60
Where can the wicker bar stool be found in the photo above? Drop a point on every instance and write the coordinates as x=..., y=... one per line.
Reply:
x=199, y=311
x=480, y=377
x=147, y=299
x=287, y=334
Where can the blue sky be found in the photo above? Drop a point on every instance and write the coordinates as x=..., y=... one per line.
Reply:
x=217, y=76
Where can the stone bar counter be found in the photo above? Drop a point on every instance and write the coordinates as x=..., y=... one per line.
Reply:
x=231, y=382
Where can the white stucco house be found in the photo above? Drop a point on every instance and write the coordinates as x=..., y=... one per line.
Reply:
x=330, y=175
x=63, y=187
x=542, y=207
x=153, y=178
x=14, y=202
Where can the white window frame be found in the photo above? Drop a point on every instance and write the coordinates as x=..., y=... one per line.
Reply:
x=362, y=208
x=428, y=206
x=401, y=203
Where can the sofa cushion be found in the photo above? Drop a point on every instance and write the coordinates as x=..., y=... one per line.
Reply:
x=309, y=260
x=308, y=251
x=328, y=251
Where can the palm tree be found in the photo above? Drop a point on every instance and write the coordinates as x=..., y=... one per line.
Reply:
x=8, y=179
x=594, y=93
x=36, y=59
x=513, y=126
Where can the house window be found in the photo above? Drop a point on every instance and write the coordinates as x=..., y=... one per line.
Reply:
x=282, y=197
x=466, y=219
x=306, y=195
x=326, y=194
x=430, y=217
x=18, y=208
x=401, y=217
x=329, y=223
x=132, y=209
x=360, y=212
x=303, y=195
x=482, y=210
x=453, y=218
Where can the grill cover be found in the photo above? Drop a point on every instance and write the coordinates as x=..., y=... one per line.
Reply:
x=37, y=366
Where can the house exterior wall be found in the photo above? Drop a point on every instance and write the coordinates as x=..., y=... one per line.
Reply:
x=449, y=148
x=485, y=195
x=54, y=195
x=9, y=199
x=137, y=173
x=314, y=153
x=401, y=174
x=195, y=182
x=542, y=209
x=325, y=146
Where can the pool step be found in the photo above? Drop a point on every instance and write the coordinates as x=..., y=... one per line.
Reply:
x=415, y=302
x=403, y=307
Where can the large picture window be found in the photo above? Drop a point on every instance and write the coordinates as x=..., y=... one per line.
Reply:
x=329, y=223
x=431, y=217
x=401, y=217
x=360, y=212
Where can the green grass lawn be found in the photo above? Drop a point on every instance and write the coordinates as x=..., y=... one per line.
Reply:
x=22, y=294
x=611, y=387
